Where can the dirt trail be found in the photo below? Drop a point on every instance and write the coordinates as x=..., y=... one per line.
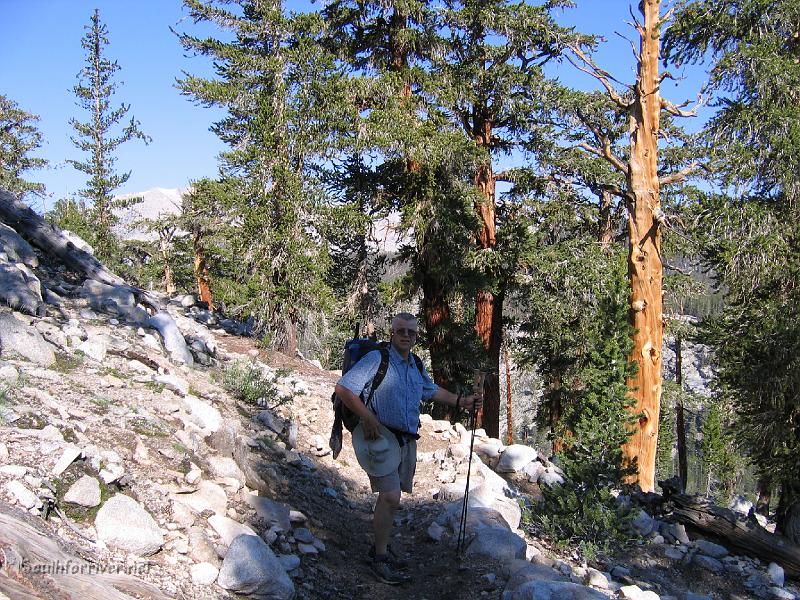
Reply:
x=344, y=523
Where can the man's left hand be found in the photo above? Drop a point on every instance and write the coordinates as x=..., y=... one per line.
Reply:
x=472, y=401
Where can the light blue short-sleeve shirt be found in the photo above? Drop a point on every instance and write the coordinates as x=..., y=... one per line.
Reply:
x=397, y=400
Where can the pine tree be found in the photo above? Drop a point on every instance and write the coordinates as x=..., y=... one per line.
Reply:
x=487, y=78
x=97, y=137
x=269, y=77
x=18, y=138
x=750, y=234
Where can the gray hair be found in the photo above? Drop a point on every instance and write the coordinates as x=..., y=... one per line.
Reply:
x=403, y=316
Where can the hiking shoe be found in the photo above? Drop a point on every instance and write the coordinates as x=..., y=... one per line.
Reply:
x=384, y=573
x=392, y=556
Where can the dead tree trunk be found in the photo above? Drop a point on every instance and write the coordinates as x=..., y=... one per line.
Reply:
x=509, y=404
x=745, y=536
x=51, y=240
x=201, y=274
x=644, y=253
x=680, y=425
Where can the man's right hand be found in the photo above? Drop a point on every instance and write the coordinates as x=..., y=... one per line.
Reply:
x=369, y=423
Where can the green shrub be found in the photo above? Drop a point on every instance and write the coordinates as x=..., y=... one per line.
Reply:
x=247, y=382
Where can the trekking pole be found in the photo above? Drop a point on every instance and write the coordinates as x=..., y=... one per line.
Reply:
x=462, y=528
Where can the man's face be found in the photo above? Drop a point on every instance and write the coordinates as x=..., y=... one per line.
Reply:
x=404, y=334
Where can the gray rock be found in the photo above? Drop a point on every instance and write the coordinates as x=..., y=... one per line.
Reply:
x=497, y=543
x=711, y=549
x=17, y=338
x=84, y=492
x=275, y=513
x=228, y=529
x=208, y=496
x=21, y=494
x=95, y=347
x=709, y=563
x=8, y=373
x=775, y=574
x=113, y=299
x=301, y=534
x=223, y=466
x=678, y=531
x=551, y=478
x=781, y=594
x=251, y=568
x=171, y=382
x=289, y=561
x=67, y=458
x=693, y=596
x=204, y=573
x=435, y=532
x=201, y=413
x=555, y=590
x=124, y=524
x=20, y=289
x=200, y=547
x=515, y=457
x=596, y=578
x=644, y=523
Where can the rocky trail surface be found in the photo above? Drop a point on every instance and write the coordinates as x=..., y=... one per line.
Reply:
x=137, y=461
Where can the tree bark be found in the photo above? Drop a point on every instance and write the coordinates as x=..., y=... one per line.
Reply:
x=201, y=273
x=680, y=425
x=764, y=487
x=436, y=313
x=509, y=404
x=605, y=221
x=644, y=255
x=489, y=306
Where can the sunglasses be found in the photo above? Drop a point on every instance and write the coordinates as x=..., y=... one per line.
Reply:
x=406, y=332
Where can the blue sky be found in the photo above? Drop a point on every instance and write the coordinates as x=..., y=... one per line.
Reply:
x=40, y=56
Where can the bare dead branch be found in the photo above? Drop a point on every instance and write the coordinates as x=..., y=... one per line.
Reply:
x=679, y=176
x=601, y=75
x=677, y=109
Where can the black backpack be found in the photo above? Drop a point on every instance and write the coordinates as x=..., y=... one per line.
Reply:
x=354, y=350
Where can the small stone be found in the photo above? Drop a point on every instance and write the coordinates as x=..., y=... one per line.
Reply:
x=435, y=532
x=596, y=578
x=307, y=549
x=84, y=492
x=204, y=573
x=124, y=524
x=3, y=452
x=775, y=574
x=22, y=495
x=228, y=529
x=709, y=563
x=295, y=516
x=15, y=471
x=301, y=534
x=711, y=549
x=67, y=458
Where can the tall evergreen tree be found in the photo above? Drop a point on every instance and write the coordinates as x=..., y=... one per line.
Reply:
x=97, y=136
x=751, y=233
x=269, y=74
x=18, y=138
x=487, y=77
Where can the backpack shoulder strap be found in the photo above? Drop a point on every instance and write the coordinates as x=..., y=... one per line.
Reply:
x=379, y=374
x=418, y=362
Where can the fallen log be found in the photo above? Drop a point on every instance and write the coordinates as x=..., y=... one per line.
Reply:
x=743, y=535
x=50, y=239
x=36, y=565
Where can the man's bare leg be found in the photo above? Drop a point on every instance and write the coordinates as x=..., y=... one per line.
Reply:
x=383, y=519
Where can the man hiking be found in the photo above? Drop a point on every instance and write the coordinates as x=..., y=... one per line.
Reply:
x=388, y=428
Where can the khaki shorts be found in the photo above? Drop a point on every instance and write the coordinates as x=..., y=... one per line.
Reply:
x=403, y=478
